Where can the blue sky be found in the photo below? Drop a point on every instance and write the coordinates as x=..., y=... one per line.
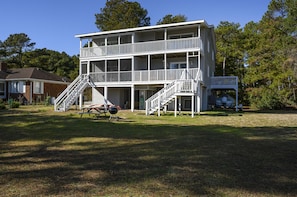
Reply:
x=52, y=24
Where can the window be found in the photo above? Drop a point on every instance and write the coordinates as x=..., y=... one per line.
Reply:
x=38, y=87
x=126, y=39
x=179, y=36
x=187, y=104
x=2, y=89
x=178, y=65
x=112, y=41
x=17, y=87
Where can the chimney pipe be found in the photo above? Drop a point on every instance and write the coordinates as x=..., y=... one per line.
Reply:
x=3, y=66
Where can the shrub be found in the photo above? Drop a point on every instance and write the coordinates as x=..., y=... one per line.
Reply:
x=48, y=100
x=15, y=104
x=264, y=98
x=2, y=106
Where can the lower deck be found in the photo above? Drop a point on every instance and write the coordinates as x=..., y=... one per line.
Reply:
x=135, y=97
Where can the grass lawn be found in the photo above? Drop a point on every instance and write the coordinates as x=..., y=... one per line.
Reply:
x=46, y=153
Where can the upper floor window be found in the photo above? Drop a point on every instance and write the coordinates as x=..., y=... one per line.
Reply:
x=17, y=87
x=126, y=39
x=179, y=36
x=178, y=65
x=38, y=87
x=112, y=41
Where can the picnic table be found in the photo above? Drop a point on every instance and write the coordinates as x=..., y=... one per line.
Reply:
x=96, y=109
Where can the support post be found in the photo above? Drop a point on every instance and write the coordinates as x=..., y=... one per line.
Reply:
x=199, y=99
x=132, y=98
x=80, y=101
x=165, y=106
x=159, y=104
x=193, y=97
x=133, y=70
x=146, y=108
x=105, y=93
x=179, y=105
x=88, y=68
x=236, y=99
x=187, y=69
x=165, y=65
x=149, y=67
x=175, y=106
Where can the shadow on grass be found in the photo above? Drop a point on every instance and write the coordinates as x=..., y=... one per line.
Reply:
x=65, y=155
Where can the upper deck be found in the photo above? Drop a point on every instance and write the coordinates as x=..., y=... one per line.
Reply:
x=166, y=38
x=150, y=47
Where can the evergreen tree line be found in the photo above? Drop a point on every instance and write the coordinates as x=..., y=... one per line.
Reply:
x=263, y=55
x=18, y=52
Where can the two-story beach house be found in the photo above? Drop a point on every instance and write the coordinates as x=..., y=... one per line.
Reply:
x=152, y=68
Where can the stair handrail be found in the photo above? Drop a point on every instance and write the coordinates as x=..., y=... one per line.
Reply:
x=184, y=84
x=162, y=96
x=155, y=97
x=62, y=97
x=69, y=100
x=198, y=76
x=68, y=87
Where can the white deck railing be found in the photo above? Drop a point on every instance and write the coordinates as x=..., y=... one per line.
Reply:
x=142, y=47
x=219, y=82
x=141, y=76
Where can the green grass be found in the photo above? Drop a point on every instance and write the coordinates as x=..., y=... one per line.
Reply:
x=45, y=153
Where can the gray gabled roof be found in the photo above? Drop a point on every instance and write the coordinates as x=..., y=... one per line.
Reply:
x=3, y=75
x=31, y=74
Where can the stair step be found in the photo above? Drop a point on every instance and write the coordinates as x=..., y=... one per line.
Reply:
x=69, y=95
x=169, y=93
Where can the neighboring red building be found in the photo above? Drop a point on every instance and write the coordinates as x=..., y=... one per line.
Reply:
x=29, y=85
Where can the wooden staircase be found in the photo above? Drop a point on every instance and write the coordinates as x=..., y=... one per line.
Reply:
x=185, y=86
x=64, y=101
